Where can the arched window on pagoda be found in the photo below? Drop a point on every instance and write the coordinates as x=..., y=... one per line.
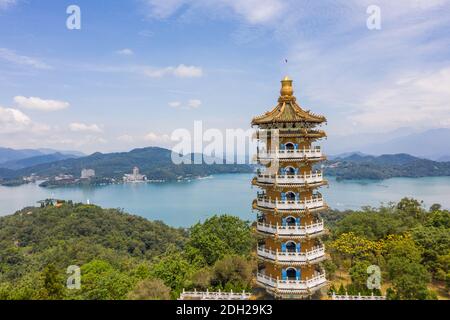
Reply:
x=291, y=274
x=291, y=221
x=291, y=196
x=290, y=171
x=290, y=146
x=291, y=246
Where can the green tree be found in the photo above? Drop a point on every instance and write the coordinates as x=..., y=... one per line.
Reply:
x=150, y=289
x=100, y=281
x=408, y=276
x=410, y=280
x=52, y=284
x=175, y=271
x=330, y=268
x=412, y=208
x=219, y=236
x=358, y=274
x=233, y=273
x=341, y=290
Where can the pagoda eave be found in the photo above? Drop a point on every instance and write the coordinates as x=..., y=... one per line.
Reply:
x=302, y=186
x=312, y=160
x=270, y=210
x=295, y=263
x=293, y=236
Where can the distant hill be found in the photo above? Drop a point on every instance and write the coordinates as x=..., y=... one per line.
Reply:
x=155, y=163
x=6, y=173
x=444, y=159
x=8, y=154
x=358, y=166
x=346, y=155
x=431, y=144
x=64, y=152
x=33, y=161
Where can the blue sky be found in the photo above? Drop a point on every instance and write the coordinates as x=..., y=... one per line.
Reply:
x=139, y=69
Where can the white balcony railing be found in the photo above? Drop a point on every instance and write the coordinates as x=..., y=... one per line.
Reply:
x=218, y=295
x=358, y=297
x=296, y=230
x=311, y=178
x=313, y=203
x=314, y=153
x=293, y=257
x=292, y=285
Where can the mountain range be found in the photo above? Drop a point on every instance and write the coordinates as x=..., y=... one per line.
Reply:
x=431, y=144
x=360, y=166
x=36, y=160
x=156, y=163
x=8, y=154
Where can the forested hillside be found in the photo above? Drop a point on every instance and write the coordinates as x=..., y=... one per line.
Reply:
x=127, y=257
x=121, y=256
x=410, y=244
x=384, y=167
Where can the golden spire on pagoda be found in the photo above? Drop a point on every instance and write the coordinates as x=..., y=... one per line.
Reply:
x=286, y=87
x=287, y=110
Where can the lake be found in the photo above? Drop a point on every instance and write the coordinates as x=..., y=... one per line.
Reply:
x=185, y=203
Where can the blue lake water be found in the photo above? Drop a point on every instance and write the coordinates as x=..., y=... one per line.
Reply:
x=185, y=203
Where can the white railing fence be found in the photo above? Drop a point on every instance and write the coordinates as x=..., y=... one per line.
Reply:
x=219, y=295
x=334, y=296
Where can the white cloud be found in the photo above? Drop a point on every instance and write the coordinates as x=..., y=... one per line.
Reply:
x=35, y=103
x=257, y=11
x=125, y=138
x=175, y=104
x=5, y=4
x=15, y=58
x=157, y=138
x=125, y=52
x=191, y=104
x=181, y=71
x=194, y=104
x=164, y=9
x=12, y=120
x=15, y=121
x=82, y=127
x=420, y=100
x=146, y=33
x=253, y=11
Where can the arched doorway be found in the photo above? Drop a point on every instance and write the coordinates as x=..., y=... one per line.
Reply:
x=291, y=246
x=289, y=146
x=290, y=196
x=291, y=274
x=290, y=171
x=291, y=221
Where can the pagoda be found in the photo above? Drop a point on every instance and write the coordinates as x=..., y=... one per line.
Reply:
x=289, y=250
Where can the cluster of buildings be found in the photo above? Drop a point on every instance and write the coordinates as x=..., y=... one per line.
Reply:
x=87, y=173
x=135, y=176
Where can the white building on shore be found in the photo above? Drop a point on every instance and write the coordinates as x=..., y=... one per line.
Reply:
x=87, y=173
x=135, y=176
